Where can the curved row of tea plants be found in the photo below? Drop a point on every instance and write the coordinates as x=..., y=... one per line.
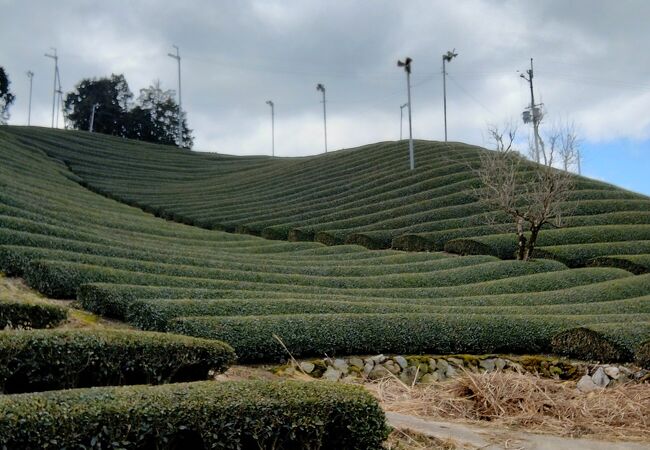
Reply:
x=365, y=196
x=69, y=242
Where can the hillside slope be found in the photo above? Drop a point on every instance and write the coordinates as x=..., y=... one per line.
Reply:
x=68, y=242
x=363, y=196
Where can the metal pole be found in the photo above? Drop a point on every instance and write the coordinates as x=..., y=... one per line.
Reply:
x=59, y=102
x=447, y=57
x=92, y=117
x=535, y=117
x=30, y=75
x=56, y=71
x=321, y=87
x=444, y=93
x=579, y=163
x=411, y=153
x=177, y=57
x=272, y=105
x=401, y=115
x=325, y=119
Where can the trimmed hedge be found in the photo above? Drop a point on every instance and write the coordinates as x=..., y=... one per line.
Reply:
x=504, y=245
x=319, y=334
x=616, y=341
x=589, y=345
x=637, y=264
x=580, y=254
x=41, y=360
x=643, y=355
x=203, y=415
x=21, y=314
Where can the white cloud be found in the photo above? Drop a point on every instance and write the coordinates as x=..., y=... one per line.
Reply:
x=236, y=55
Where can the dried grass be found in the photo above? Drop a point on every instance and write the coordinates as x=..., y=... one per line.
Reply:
x=525, y=401
x=405, y=439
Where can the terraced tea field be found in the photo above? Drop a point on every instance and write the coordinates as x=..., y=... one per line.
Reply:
x=68, y=241
x=364, y=196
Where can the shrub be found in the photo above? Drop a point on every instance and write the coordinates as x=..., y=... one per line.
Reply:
x=586, y=344
x=203, y=415
x=319, y=334
x=61, y=359
x=617, y=340
x=579, y=255
x=643, y=355
x=20, y=314
x=637, y=264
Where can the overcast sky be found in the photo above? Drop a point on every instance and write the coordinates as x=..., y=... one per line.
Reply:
x=592, y=67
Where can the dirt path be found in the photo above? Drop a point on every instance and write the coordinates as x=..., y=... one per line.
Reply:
x=475, y=437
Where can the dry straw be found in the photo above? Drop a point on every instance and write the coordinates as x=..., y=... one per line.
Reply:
x=524, y=401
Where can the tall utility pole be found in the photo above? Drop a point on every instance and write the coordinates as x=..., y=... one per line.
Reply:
x=92, y=117
x=30, y=75
x=177, y=57
x=401, y=118
x=447, y=57
x=56, y=75
x=407, y=68
x=272, y=105
x=321, y=87
x=535, y=114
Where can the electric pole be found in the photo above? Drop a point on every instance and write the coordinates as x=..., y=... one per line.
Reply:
x=535, y=114
x=56, y=75
x=272, y=105
x=321, y=87
x=92, y=117
x=177, y=57
x=447, y=57
x=30, y=75
x=401, y=117
x=407, y=68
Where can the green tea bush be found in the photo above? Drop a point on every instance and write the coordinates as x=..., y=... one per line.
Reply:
x=637, y=264
x=41, y=360
x=21, y=314
x=318, y=334
x=202, y=415
x=579, y=255
x=643, y=355
x=615, y=341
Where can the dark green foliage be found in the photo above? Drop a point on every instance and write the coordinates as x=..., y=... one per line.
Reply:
x=504, y=245
x=252, y=336
x=589, y=345
x=205, y=415
x=643, y=355
x=6, y=97
x=611, y=341
x=637, y=264
x=153, y=119
x=579, y=255
x=20, y=314
x=41, y=360
x=111, y=95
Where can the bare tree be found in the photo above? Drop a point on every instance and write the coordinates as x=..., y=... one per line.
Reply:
x=533, y=195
